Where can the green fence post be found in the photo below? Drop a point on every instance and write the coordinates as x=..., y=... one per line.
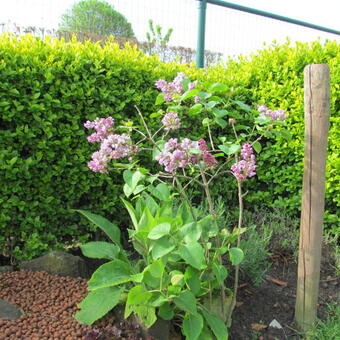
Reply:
x=202, y=7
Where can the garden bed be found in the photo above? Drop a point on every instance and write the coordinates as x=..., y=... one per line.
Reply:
x=50, y=301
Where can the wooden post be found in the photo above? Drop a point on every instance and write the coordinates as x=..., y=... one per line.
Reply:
x=317, y=102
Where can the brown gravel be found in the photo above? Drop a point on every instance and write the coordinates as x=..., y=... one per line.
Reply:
x=49, y=303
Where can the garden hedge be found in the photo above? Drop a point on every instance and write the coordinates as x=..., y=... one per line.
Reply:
x=49, y=88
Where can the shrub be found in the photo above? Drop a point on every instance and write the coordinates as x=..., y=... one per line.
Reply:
x=49, y=88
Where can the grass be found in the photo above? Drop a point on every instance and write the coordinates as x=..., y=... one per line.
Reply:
x=328, y=329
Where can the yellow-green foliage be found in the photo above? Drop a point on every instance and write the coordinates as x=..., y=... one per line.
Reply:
x=274, y=76
x=48, y=89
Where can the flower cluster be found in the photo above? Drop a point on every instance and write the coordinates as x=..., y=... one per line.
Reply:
x=171, y=121
x=208, y=159
x=274, y=115
x=179, y=154
x=103, y=127
x=172, y=88
x=247, y=166
x=113, y=146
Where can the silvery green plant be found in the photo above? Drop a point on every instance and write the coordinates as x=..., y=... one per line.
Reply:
x=179, y=274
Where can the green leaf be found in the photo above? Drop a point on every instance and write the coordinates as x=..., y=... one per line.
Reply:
x=156, y=114
x=176, y=278
x=216, y=325
x=192, y=326
x=230, y=149
x=131, y=212
x=110, y=274
x=161, y=248
x=257, y=147
x=206, y=121
x=189, y=94
x=166, y=311
x=100, y=250
x=111, y=229
x=156, y=268
x=137, y=295
x=219, y=113
x=221, y=122
x=236, y=256
x=159, y=99
x=190, y=232
x=97, y=304
x=192, y=278
x=195, y=109
x=193, y=254
x=261, y=120
x=211, y=104
x=204, y=95
x=220, y=272
x=243, y=106
x=161, y=192
x=159, y=231
x=218, y=87
x=186, y=301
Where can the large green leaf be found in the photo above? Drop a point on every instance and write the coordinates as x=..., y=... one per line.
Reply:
x=220, y=272
x=161, y=247
x=192, y=326
x=108, y=227
x=137, y=295
x=229, y=149
x=110, y=274
x=161, y=191
x=97, y=304
x=192, y=278
x=131, y=212
x=100, y=250
x=166, y=311
x=217, y=325
x=190, y=232
x=236, y=256
x=159, y=231
x=193, y=254
x=186, y=301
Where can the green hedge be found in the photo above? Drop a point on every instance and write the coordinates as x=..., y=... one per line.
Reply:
x=274, y=76
x=48, y=89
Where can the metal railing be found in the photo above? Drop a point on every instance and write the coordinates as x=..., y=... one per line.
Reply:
x=202, y=7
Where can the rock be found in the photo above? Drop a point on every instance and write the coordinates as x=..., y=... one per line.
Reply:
x=160, y=330
x=9, y=311
x=59, y=263
x=5, y=269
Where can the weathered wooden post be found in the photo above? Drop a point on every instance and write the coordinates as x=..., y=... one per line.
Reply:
x=317, y=102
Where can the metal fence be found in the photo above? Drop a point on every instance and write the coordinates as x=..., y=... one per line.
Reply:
x=228, y=31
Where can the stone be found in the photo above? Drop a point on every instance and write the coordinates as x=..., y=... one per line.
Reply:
x=160, y=330
x=9, y=311
x=58, y=263
x=6, y=269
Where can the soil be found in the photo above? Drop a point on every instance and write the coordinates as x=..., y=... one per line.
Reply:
x=51, y=301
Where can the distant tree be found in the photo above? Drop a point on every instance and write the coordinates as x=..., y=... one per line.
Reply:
x=155, y=35
x=95, y=16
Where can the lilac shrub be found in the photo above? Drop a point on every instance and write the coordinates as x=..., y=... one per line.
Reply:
x=179, y=248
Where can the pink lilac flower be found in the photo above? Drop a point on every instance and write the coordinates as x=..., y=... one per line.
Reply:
x=207, y=157
x=172, y=88
x=178, y=155
x=274, y=115
x=245, y=167
x=197, y=99
x=113, y=146
x=103, y=127
x=171, y=121
x=192, y=85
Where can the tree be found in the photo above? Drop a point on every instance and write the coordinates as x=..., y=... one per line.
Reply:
x=95, y=16
x=155, y=35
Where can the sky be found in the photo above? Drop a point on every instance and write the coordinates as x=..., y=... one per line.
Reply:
x=227, y=31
